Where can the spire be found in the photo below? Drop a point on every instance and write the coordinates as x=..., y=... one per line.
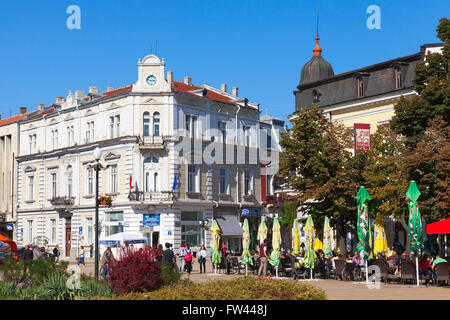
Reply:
x=317, y=49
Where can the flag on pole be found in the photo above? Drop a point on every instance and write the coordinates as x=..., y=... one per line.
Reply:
x=174, y=186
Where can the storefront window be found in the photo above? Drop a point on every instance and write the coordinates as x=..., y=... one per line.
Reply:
x=191, y=231
x=114, y=222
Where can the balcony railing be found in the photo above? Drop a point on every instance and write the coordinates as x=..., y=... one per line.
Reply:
x=151, y=142
x=152, y=196
x=62, y=201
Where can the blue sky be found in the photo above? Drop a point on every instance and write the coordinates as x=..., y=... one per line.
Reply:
x=257, y=45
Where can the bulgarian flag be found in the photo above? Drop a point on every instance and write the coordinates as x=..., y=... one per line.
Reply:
x=131, y=182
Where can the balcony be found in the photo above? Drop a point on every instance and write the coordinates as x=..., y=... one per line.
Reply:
x=151, y=142
x=62, y=204
x=151, y=197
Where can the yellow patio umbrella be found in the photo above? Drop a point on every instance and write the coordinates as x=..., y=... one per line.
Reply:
x=318, y=245
x=246, y=257
x=327, y=237
x=276, y=244
x=215, y=242
x=380, y=236
x=262, y=232
x=296, y=240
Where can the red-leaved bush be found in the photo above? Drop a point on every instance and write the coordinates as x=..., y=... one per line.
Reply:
x=135, y=271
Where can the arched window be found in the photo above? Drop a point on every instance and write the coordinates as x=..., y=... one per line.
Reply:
x=156, y=124
x=151, y=159
x=398, y=78
x=155, y=181
x=146, y=123
x=147, y=182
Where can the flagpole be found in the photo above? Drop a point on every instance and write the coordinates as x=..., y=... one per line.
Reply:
x=367, y=274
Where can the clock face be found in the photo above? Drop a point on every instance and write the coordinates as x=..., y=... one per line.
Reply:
x=151, y=80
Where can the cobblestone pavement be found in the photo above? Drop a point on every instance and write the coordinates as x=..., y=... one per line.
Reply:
x=335, y=290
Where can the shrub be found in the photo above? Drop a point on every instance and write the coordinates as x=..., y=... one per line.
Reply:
x=246, y=288
x=136, y=271
x=170, y=275
x=91, y=288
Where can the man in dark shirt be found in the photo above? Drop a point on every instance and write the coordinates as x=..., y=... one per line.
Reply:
x=168, y=256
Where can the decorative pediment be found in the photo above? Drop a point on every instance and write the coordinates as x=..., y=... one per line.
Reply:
x=114, y=106
x=112, y=156
x=149, y=100
x=88, y=112
x=53, y=121
x=29, y=169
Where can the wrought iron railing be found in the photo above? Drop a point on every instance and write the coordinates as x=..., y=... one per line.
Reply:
x=152, y=196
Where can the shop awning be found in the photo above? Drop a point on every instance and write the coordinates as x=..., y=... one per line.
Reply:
x=439, y=227
x=229, y=225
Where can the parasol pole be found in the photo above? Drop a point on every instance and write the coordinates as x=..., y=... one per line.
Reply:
x=246, y=270
x=311, y=272
x=367, y=273
x=276, y=271
x=417, y=270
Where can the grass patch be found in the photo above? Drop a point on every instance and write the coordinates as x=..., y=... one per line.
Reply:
x=246, y=288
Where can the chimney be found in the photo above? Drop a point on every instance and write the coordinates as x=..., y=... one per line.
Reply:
x=41, y=107
x=23, y=110
x=79, y=94
x=223, y=87
x=188, y=81
x=59, y=100
x=235, y=91
x=170, y=77
x=109, y=89
x=93, y=90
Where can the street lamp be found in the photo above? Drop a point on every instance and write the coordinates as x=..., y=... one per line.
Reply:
x=203, y=223
x=97, y=166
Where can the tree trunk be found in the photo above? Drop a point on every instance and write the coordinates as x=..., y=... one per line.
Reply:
x=405, y=227
x=340, y=235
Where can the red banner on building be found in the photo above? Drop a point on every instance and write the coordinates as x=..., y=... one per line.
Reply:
x=362, y=136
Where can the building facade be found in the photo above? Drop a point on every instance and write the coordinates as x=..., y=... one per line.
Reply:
x=172, y=152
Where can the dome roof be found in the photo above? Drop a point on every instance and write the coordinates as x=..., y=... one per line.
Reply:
x=317, y=68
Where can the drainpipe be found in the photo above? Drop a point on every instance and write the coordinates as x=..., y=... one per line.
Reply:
x=237, y=167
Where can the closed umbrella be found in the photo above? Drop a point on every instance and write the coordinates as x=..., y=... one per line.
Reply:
x=262, y=232
x=380, y=244
x=296, y=240
x=246, y=258
x=215, y=242
x=276, y=244
x=363, y=247
x=415, y=225
x=310, y=254
x=327, y=236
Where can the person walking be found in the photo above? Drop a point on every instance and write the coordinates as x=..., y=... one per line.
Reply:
x=56, y=253
x=263, y=258
x=188, y=255
x=107, y=258
x=168, y=257
x=159, y=253
x=202, y=259
x=181, y=254
x=36, y=253
x=81, y=256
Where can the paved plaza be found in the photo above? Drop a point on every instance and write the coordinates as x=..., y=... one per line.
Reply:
x=335, y=290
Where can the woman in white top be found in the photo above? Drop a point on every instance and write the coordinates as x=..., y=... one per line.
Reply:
x=81, y=256
x=202, y=259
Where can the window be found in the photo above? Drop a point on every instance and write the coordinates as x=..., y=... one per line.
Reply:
x=32, y=143
x=155, y=182
x=191, y=231
x=111, y=127
x=269, y=143
x=114, y=179
x=90, y=230
x=360, y=87
x=30, y=195
x=223, y=181
x=146, y=123
x=192, y=178
x=55, y=139
x=246, y=136
x=117, y=126
x=191, y=126
x=90, y=132
x=156, y=124
x=398, y=78
x=69, y=182
x=70, y=135
x=90, y=181
x=114, y=126
x=53, y=230
x=53, y=185
x=222, y=125
x=30, y=231
x=113, y=222
x=247, y=182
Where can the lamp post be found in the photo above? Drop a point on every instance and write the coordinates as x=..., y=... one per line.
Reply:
x=97, y=166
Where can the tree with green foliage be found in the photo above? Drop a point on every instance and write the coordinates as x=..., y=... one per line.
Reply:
x=315, y=162
x=432, y=83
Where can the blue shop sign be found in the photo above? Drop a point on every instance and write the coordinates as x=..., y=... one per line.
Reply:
x=251, y=212
x=151, y=220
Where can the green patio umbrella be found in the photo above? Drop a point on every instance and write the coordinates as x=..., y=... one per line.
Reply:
x=310, y=254
x=276, y=244
x=327, y=236
x=415, y=225
x=246, y=256
x=363, y=247
x=296, y=238
x=215, y=242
